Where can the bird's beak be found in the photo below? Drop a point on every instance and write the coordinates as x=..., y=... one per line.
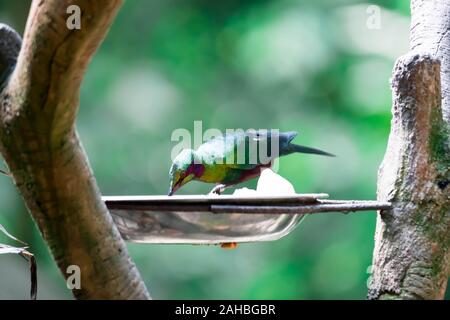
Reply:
x=179, y=183
x=172, y=190
x=174, y=187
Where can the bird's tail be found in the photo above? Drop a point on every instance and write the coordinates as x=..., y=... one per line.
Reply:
x=287, y=147
x=302, y=149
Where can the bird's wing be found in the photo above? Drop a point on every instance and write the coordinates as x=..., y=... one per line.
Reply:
x=229, y=150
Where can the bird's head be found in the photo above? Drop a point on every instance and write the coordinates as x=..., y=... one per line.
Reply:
x=183, y=170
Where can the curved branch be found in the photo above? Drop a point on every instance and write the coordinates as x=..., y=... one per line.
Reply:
x=10, y=43
x=40, y=144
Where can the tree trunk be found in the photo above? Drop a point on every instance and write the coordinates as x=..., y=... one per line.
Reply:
x=38, y=139
x=411, y=257
x=430, y=32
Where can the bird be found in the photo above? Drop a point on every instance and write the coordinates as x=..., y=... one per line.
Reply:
x=232, y=158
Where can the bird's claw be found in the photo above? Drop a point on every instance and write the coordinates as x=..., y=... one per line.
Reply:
x=218, y=189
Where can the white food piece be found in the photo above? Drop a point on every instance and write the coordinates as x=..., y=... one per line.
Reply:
x=269, y=184
x=244, y=192
x=273, y=184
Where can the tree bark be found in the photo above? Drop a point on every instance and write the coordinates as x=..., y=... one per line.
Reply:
x=39, y=142
x=411, y=257
x=430, y=32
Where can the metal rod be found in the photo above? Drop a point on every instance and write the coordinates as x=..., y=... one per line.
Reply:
x=321, y=206
x=160, y=207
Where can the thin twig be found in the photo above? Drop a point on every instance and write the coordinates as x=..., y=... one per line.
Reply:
x=33, y=272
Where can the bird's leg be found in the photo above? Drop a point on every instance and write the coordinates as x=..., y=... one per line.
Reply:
x=218, y=189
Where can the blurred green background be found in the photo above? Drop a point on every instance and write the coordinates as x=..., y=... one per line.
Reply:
x=311, y=66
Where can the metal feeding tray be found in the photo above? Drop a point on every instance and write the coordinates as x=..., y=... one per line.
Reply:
x=207, y=219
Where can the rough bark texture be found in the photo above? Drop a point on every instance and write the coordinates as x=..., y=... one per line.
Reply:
x=40, y=144
x=411, y=257
x=430, y=32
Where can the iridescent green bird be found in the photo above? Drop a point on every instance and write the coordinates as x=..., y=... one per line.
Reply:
x=233, y=158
